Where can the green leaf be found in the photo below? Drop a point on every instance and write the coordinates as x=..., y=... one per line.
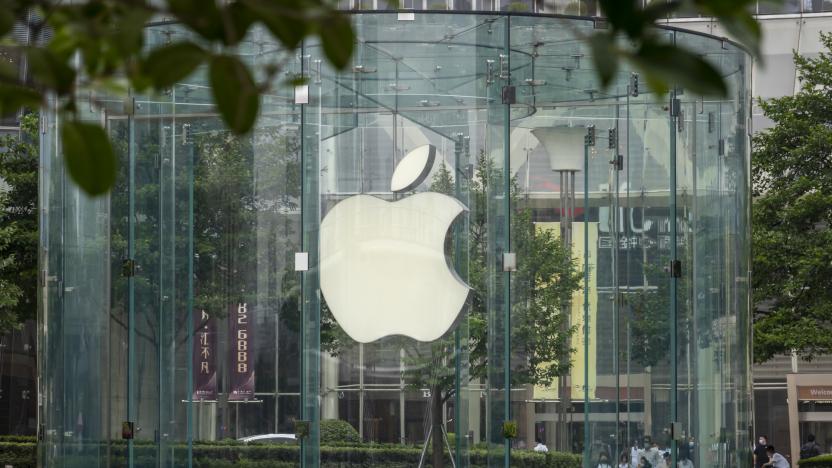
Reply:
x=6, y=18
x=667, y=65
x=745, y=29
x=624, y=15
x=129, y=35
x=172, y=63
x=14, y=97
x=290, y=30
x=736, y=17
x=240, y=20
x=89, y=156
x=202, y=16
x=235, y=93
x=604, y=57
x=50, y=70
x=337, y=38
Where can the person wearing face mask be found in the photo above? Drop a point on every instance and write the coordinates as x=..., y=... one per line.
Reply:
x=760, y=455
x=685, y=463
x=604, y=461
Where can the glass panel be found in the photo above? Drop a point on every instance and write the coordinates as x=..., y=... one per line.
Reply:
x=75, y=243
x=492, y=172
x=400, y=95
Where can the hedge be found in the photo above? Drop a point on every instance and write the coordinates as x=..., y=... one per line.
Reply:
x=226, y=454
x=822, y=461
x=18, y=454
x=335, y=431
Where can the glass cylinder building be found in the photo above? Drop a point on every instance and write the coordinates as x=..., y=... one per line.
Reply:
x=461, y=247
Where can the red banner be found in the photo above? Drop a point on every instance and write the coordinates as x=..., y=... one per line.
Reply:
x=204, y=362
x=241, y=339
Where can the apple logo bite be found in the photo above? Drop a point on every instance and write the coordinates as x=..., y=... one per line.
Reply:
x=383, y=267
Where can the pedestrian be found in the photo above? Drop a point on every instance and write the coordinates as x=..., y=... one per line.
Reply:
x=604, y=461
x=810, y=448
x=665, y=461
x=654, y=456
x=644, y=463
x=635, y=454
x=760, y=455
x=691, y=448
x=541, y=447
x=685, y=462
x=775, y=460
x=624, y=461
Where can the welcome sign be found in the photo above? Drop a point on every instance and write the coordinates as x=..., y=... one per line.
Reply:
x=814, y=393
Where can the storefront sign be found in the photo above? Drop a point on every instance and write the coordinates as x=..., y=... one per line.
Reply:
x=241, y=339
x=204, y=361
x=815, y=393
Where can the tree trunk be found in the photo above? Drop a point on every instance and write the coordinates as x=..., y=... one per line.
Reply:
x=436, y=434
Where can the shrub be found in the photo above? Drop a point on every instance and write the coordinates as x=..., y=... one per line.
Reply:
x=227, y=454
x=334, y=431
x=19, y=438
x=18, y=454
x=517, y=7
x=823, y=461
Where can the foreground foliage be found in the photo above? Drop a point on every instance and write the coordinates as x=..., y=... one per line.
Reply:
x=106, y=37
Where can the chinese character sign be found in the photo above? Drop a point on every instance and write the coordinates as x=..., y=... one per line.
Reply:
x=241, y=339
x=204, y=362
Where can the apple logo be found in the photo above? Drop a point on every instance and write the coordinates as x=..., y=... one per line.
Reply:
x=382, y=264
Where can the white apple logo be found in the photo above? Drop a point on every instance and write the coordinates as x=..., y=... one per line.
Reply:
x=383, y=266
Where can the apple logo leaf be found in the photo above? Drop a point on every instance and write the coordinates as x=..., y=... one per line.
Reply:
x=413, y=169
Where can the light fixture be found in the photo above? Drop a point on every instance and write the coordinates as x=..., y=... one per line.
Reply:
x=564, y=145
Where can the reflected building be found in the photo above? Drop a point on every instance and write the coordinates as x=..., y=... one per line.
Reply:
x=186, y=306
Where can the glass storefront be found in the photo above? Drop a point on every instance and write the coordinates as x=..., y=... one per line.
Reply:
x=456, y=248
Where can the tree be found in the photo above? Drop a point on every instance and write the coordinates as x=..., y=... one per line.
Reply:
x=19, y=225
x=107, y=36
x=792, y=212
x=244, y=231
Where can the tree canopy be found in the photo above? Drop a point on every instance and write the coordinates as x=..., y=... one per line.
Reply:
x=19, y=225
x=106, y=38
x=792, y=211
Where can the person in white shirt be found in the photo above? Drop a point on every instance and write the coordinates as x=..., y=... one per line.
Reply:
x=604, y=461
x=775, y=460
x=654, y=456
x=635, y=455
x=541, y=447
x=624, y=462
x=685, y=462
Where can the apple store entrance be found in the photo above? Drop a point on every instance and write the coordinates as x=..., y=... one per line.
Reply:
x=457, y=251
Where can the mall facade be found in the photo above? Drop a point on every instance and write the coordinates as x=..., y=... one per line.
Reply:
x=462, y=231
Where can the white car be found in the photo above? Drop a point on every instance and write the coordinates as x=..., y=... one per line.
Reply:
x=270, y=438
